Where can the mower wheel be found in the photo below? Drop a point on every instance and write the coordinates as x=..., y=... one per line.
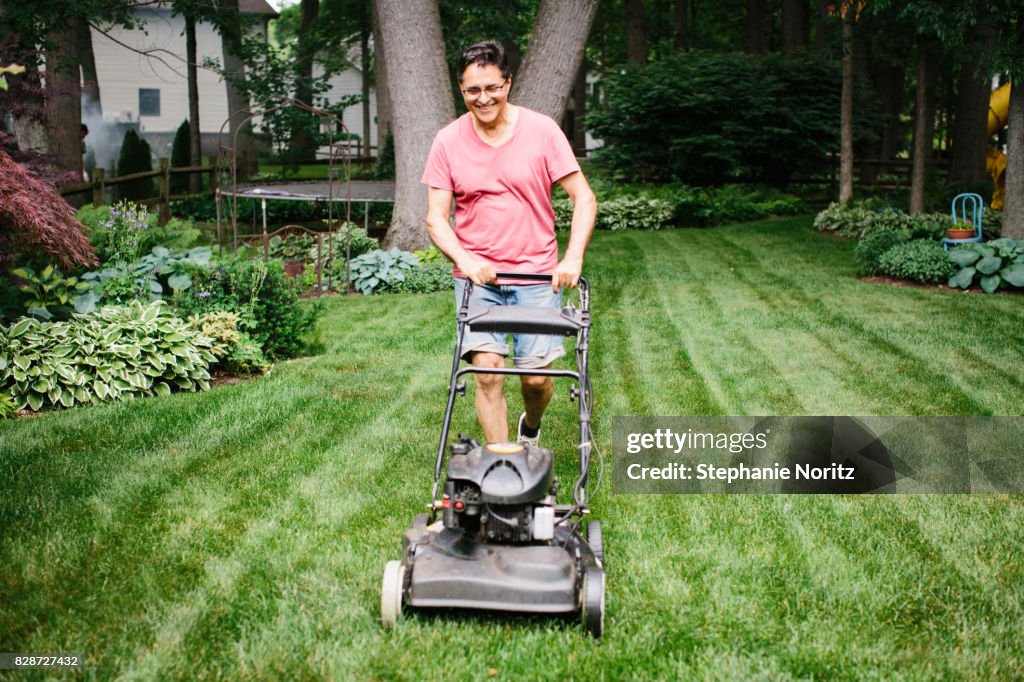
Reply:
x=593, y=601
x=595, y=540
x=391, y=593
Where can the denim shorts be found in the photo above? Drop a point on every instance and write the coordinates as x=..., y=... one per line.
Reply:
x=530, y=351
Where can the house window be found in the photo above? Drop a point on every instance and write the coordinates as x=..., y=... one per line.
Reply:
x=149, y=102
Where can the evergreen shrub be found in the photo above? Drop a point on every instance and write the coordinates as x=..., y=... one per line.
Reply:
x=919, y=260
x=181, y=155
x=135, y=157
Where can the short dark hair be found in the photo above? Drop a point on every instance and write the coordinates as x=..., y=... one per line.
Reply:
x=484, y=53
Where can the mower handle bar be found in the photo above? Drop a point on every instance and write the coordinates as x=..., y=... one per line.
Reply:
x=534, y=277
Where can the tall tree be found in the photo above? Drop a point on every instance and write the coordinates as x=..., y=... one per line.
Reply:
x=1013, y=208
x=421, y=97
x=63, y=99
x=680, y=25
x=230, y=26
x=849, y=16
x=636, y=38
x=554, y=55
x=924, y=121
x=795, y=21
x=303, y=146
x=380, y=77
x=1006, y=56
x=758, y=26
x=195, y=150
x=970, y=125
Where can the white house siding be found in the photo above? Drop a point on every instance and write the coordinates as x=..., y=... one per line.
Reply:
x=122, y=72
x=350, y=82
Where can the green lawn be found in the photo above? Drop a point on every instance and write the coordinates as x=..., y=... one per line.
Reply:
x=243, y=532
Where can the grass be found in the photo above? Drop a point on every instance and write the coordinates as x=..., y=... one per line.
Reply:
x=243, y=532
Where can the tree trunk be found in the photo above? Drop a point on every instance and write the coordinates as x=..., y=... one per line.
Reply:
x=92, y=107
x=421, y=94
x=1013, y=208
x=380, y=76
x=579, y=110
x=823, y=30
x=302, y=145
x=63, y=101
x=195, y=149
x=924, y=124
x=888, y=83
x=795, y=20
x=680, y=27
x=846, y=116
x=636, y=39
x=554, y=56
x=970, y=117
x=364, y=65
x=757, y=26
x=238, y=101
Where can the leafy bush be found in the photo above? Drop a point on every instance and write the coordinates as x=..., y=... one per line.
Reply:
x=620, y=213
x=999, y=263
x=919, y=260
x=700, y=207
x=858, y=219
x=430, y=277
x=659, y=207
x=430, y=255
x=8, y=406
x=868, y=252
x=381, y=268
x=50, y=294
x=702, y=118
x=116, y=353
x=234, y=349
x=176, y=234
x=259, y=292
x=292, y=247
x=157, y=274
x=135, y=157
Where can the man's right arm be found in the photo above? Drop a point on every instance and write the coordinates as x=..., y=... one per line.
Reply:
x=439, y=206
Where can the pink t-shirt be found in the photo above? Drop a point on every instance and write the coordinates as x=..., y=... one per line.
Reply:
x=502, y=194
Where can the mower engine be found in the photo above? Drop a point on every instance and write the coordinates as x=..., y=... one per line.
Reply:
x=500, y=492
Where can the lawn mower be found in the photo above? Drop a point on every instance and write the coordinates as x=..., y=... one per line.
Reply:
x=503, y=542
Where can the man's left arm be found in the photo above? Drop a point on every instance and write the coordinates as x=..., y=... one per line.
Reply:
x=584, y=212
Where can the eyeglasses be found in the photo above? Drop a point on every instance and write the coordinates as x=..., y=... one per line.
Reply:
x=491, y=90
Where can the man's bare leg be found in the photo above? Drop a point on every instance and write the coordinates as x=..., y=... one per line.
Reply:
x=537, y=392
x=491, y=410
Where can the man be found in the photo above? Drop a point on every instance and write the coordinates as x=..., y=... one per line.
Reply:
x=499, y=161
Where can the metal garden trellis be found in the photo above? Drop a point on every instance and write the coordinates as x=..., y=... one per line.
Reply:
x=227, y=162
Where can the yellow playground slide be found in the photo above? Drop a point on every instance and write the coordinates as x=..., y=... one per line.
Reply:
x=995, y=161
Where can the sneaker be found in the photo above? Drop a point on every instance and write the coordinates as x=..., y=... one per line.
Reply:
x=533, y=440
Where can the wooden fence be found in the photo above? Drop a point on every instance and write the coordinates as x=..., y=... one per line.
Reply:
x=97, y=187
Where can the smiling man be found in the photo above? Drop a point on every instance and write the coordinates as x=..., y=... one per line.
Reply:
x=499, y=162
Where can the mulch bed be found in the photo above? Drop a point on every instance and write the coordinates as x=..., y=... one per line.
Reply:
x=891, y=281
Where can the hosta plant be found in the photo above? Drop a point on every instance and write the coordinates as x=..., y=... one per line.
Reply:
x=378, y=267
x=998, y=263
x=50, y=293
x=116, y=353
